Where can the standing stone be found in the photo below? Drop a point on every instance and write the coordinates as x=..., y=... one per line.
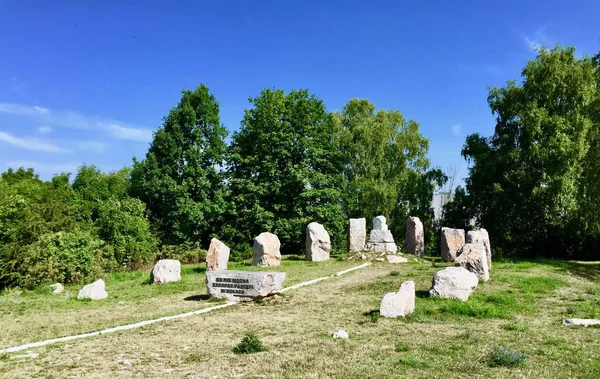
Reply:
x=380, y=223
x=415, y=237
x=94, y=291
x=381, y=238
x=453, y=283
x=473, y=258
x=357, y=234
x=482, y=237
x=318, y=244
x=401, y=303
x=166, y=271
x=266, y=250
x=217, y=256
x=452, y=241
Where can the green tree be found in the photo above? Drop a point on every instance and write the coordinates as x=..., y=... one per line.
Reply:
x=180, y=179
x=284, y=171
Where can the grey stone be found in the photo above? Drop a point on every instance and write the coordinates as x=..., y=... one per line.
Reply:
x=482, y=237
x=93, y=291
x=217, y=256
x=401, y=303
x=396, y=259
x=581, y=322
x=380, y=236
x=382, y=247
x=415, y=237
x=453, y=283
x=357, y=234
x=57, y=288
x=243, y=285
x=266, y=250
x=340, y=333
x=452, y=240
x=473, y=258
x=166, y=271
x=318, y=244
x=380, y=223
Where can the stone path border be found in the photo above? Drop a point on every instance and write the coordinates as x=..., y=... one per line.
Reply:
x=166, y=318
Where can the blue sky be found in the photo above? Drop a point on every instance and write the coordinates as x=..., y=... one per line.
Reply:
x=84, y=81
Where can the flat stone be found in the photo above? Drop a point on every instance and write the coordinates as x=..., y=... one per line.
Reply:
x=396, y=259
x=357, y=234
x=93, y=291
x=581, y=322
x=57, y=288
x=340, y=333
x=217, y=256
x=401, y=303
x=473, y=258
x=380, y=236
x=318, y=243
x=266, y=250
x=380, y=223
x=166, y=271
x=384, y=247
x=482, y=237
x=243, y=285
x=452, y=240
x=415, y=237
x=453, y=283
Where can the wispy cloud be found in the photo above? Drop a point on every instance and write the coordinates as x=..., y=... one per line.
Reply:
x=31, y=143
x=46, y=169
x=457, y=130
x=538, y=39
x=44, y=130
x=69, y=119
x=95, y=147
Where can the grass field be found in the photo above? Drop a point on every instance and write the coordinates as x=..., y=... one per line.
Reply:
x=520, y=308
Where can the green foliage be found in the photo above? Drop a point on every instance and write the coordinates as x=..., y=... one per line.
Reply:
x=183, y=253
x=514, y=326
x=402, y=347
x=502, y=356
x=395, y=273
x=249, y=344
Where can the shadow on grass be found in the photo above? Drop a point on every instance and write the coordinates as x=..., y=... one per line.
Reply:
x=197, y=298
x=586, y=270
x=421, y=294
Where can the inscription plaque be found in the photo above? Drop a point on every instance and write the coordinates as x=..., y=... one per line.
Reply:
x=243, y=285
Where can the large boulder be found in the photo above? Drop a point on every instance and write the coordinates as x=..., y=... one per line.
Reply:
x=166, y=271
x=482, y=237
x=217, y=256
x=243, y=285
x=473, y=258
x=93, y=291
x=452, y=241
x=453, y=283
x=266, y=250
x=357, y=234
x=415, y=237
x=318, y=244
x=401, y=303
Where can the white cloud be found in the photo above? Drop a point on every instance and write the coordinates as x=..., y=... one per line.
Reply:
x=30, y=143
x=44, y=130
x=20, y=109
x=457, y=130
x=128, y=133
x=538, y=40
x=45, y=169
x=95, y=147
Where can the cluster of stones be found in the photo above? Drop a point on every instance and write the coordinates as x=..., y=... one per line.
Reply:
x=474, y=254
x=380, y=238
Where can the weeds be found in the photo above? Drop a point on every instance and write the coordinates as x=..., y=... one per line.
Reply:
x=250, y=344
x=502, y=356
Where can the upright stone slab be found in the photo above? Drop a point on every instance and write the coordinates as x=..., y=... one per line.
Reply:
x=266, y=250
x=217, y=256
x=357, y=234
x=243, y=285
x=473, y=258
x=401, y=303
x=166, y=271
x=482, y=237
x=318, y=244
x=415, y=237
x=453, y=283
x=452, y=240
x=380, y=223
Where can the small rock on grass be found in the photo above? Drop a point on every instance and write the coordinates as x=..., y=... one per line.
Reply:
x=57, y=288
x=340, y=333
x=396, y=259
x=581, y=322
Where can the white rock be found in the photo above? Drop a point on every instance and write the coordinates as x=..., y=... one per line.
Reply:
x=381, y=236
x=217, y=256
x=93, y=291
x=452, y=240
x=57, y=288
x=357, y=234
x=380, y=223
x=318, y=244
x=396, y=259
x=340, y=333
x=383, y=247
x=581, y=322
x=380, y=259
x=127, y=362
x=266, y=250
x=401, y=303
x=453, y=283
x=415, y=237
x=166, y=271
x=482, y=237
x=473, y=258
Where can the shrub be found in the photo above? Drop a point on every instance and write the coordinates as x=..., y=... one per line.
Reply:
x=503, y=356
x=250, y=344
x=183, y=253
x=395, y=273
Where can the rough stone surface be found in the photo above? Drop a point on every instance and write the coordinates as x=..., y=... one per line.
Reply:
x=380, y=223
x=340, y=333
x=581, y=322
x=415, y=237
x=166, y=271
x=266, y=250
x=453, y=283
x=318, y=244
x=452, y=240
x=396, y=259
x=482, y=237
x=382, y=247
x=57, y=288
x=217, y=256
x=243, y=285
x=357, y=234
x=473, y=258
x=93, y=291
x=381, y=236
x=401, y=303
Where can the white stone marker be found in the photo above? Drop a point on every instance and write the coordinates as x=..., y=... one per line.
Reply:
x=473, y=258
x=166, y=271
x=318, y=243
x=415, y=237
x=452, y=240
x=357, y=234
x=217, y=256
x=93, y=291
x=266, y=250
x=453, y=283
x=243, y=285
x=401, y=303
x=482, y=237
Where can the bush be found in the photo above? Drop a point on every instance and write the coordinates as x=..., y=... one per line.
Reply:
x=250, y=344
x=184, y=254
x=503, y=356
